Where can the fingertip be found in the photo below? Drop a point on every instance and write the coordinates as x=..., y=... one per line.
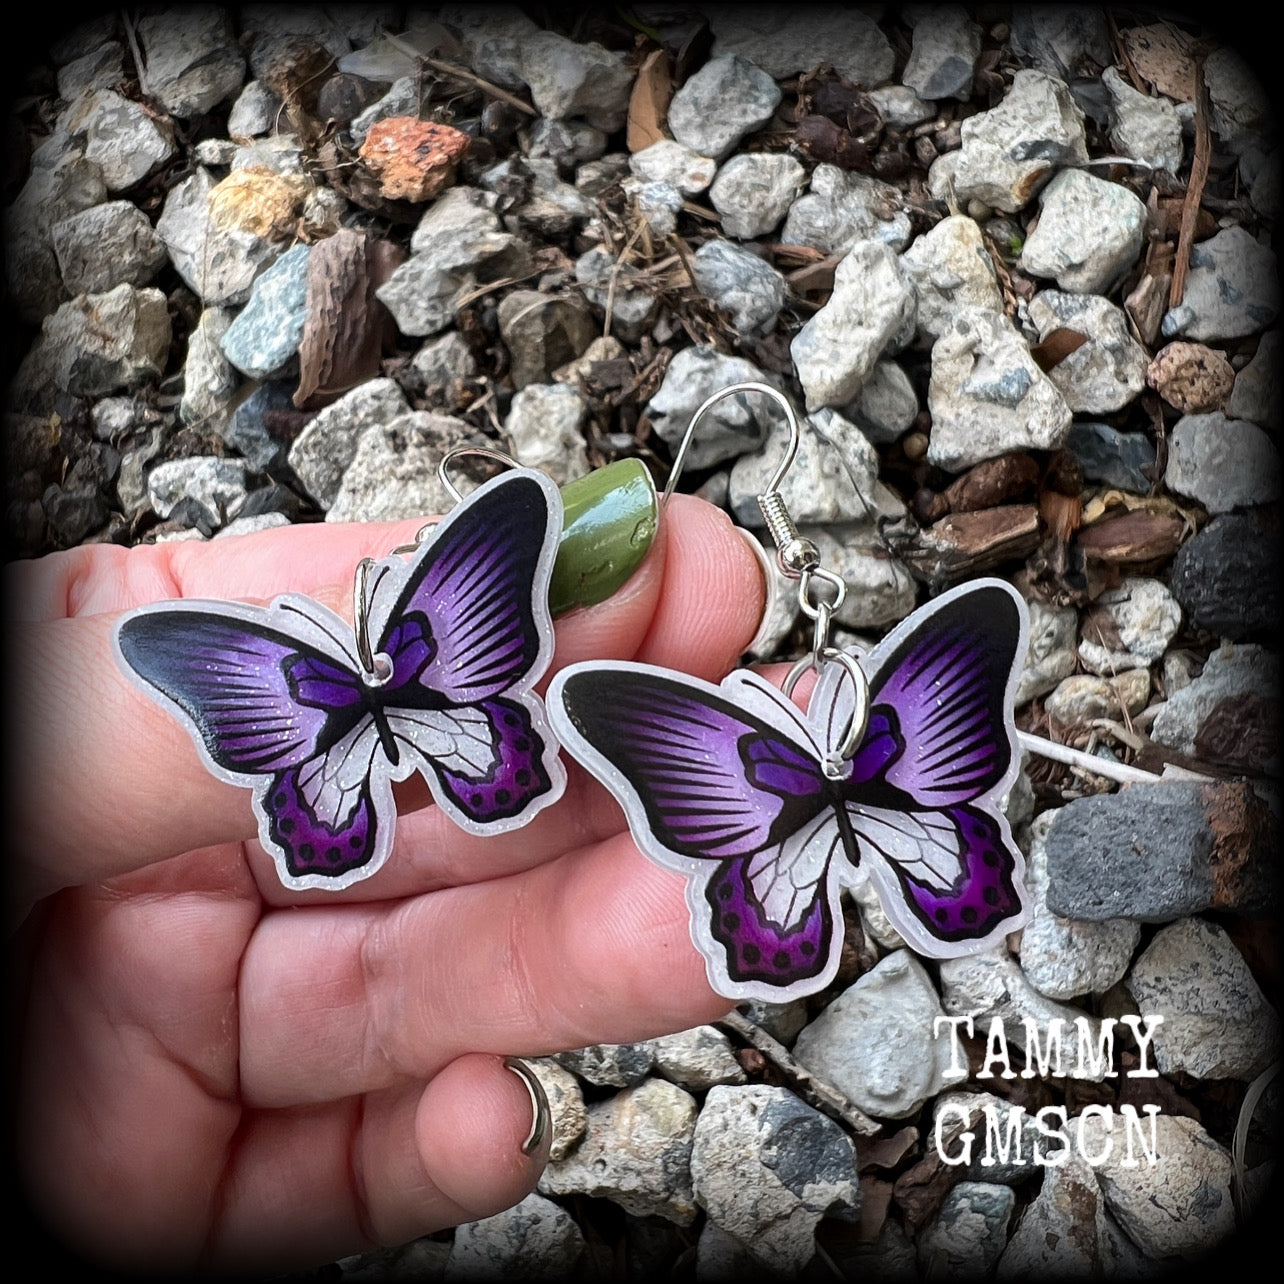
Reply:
x=474, y=1119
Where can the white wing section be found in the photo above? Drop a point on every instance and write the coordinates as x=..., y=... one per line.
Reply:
x=784, y=878
x=927, y=845
x=458, y=740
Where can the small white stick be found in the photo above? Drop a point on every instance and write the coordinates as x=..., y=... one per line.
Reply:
x=1119, y=771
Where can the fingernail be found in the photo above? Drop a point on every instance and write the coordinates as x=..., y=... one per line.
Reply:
x=608, y=523
x=541, y=1116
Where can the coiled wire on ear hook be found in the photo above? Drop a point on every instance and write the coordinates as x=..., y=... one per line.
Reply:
x=798, y=558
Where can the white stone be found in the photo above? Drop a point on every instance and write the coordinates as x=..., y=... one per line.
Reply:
x=217, y=485
x=120, y=137
x=753, y=192
x=1232, y=289
x=192, y=60
x=1144, y=128
x=670, y=162
x=1107, y=372
x=722, y=102
x=545, y=425
x=567, y=78
x=748, y=287
x=951, y=269
x=1050, y=656
x=209, y=379
x=947, y=44
x=844, y=207
x=105, y=246
x=697, y=1059
x=784, y=41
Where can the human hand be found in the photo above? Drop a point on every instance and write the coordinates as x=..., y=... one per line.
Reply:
x=218, y=1072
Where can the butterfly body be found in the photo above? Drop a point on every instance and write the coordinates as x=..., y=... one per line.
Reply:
x=277, y=700
x=736, y=788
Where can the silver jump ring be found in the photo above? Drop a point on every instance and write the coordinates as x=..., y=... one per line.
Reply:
x=377, y=667
x=834, y=761
x=487, y=452
x=809, y=608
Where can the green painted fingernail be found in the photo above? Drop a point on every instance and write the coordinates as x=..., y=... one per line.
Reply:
x=608, y=523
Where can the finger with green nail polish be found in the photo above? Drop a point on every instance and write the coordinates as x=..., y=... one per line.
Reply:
x=609, y=519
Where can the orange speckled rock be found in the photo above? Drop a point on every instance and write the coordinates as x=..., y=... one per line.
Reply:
x=1191, y=377
x=256, y=200
x=414, y=159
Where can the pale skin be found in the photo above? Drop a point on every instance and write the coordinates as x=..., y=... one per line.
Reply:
x=218, y=1073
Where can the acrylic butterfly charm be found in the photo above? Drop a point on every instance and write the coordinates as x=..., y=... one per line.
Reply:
x=727, y=784
x=277, y=699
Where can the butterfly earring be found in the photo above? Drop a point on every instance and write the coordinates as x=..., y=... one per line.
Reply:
x=319, y=718
x=895, y=774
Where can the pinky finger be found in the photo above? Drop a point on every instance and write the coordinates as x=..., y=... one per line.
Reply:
x=315, y=1184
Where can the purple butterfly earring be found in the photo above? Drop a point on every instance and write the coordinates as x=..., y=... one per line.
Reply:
x=895, y=775
x=319, y=719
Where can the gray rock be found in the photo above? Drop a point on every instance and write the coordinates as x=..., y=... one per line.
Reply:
x=281, y=153
x=1089, y=233
x=784, y=42
x=247, y=433
x=1063, y=40
x=1112, y=457
x=606, y=282
x=766, y=1168
x=327, y=445
x=565, y=1105
x=871, y=305
x=900, y=107
x=732, y=427
x=460, y=230
x=1010, y=151
x=209, y=381
x=658, y=203
x=83, y=39
x=726, y=99
x=1003, y=1147
x=259, y=22
x=951, y=270
x=697, y=1059
x=216, y=485
x=546, y=428
x=101, y=68
x=192, y=60
x=1261, y=173
x=1083, y=697
x=969, y=1232
x=1108, y=371
x=880, y=590
x=721, y=1257
x=443, y=362
x=1222, y=463
x=52, y=193
x=267, y=332
x=1065, y=957
x=215, y=153
x=543, y=332
x=534, y=1240
x=748, y=287
x=947, y=44
x=219, y=265
x=782, y=1021
x=844, y=207
x=113, y=417
x=1182, y=1206
x=97, y=343
x=1067, y=1232
x=569, y=143
x=1050, y=656
x=402, y=99
x=571, y=79
x=393, y=473
x=1143, y=853
x=1226, y=576
x=1234, y=677
x=987, y=396
x=637, y=1152
x=131, y=481
x=424, y=299
x=1242, y=110
x=1217, y=1022
x=1147, y=129
x=120, y=137
x=252, y=525
x=1146, y=617
x=594, y=177
x=1232, y=289
x=107, y=245
x=821, y=484
x=753, y=192
x=670, y=162
x=617, y=1065
x=493, y=37
x=886, y=405
x=552, y=208
x=255, y=111
x=875, y=1044
x=1258, y=394
x=989, y=985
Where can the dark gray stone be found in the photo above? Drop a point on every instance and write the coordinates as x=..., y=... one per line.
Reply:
x=1227, y=578
x=247, y=432
x=1141, y=854
x=1111, y=457
x=618, y=1065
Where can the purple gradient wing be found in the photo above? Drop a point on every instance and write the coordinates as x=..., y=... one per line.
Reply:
x=517, y=774
x=470, y=621
x=311, y=846
x=260, y=700
x=714, y=782
x=943, y=691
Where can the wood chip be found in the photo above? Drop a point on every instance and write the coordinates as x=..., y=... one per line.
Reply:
x=1161, y=53
x=965, y=543
x=1194, y=190
x=649, y=102
x=992, y=482
x=1053, y=350
x=1132, y=538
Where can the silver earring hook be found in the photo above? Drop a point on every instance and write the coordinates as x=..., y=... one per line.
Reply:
x=458, y=452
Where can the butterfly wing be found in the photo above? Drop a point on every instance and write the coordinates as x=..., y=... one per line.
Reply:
x=274, y=704
x=466, y=625
x=724, y=785
x=939, y=752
